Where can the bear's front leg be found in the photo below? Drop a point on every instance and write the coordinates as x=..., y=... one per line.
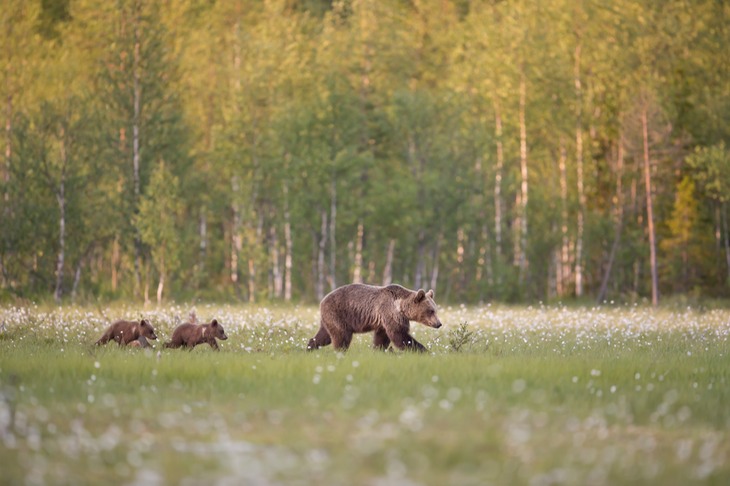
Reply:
x=124, y=340
x=416, y=346
x=404, y=341
x=381, y=340
x=214, y=344
x=342, y=340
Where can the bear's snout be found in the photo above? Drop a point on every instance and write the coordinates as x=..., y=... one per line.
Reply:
x=437, y=324
x=223, y=337
x=153, y=336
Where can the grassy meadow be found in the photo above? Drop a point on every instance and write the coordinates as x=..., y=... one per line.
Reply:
x=540, y=396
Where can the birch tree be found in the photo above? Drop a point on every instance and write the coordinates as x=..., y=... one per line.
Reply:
x=143, y=116
x=19, y=41
x=158, y=223
x=711, y=169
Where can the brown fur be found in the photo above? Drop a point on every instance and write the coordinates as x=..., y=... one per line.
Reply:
x=190, y=335
x=125, y=332
x=141, y=342
x=386, y=311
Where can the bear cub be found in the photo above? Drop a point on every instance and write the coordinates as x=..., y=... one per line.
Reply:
x=190, y=335
x=126, y=332
x=386, y=311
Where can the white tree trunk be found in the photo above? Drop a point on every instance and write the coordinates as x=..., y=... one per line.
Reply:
x=115, y=260
x=563, y=266
x=8, y=142
x=61, y=198
x=252, y=271
x=161, y=282
x=435, y=268
x=320, y=257
x=579, y=169
x=289, y=249
x=147, y=285
x=276, y=276
x=524, y=198
x=498, y=182
x=137, y=102
x=388, y=269
x=6, y=163
x=203, y=233
x=516, y=228
x=357, y=270
x=333, y=239
x=236, y=237
x=726, y=239
x=485, y=258
x=649, y=208
x=251, y=280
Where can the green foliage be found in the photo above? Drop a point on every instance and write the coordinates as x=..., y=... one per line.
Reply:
x=52, y=13
x=711, y=166
x=159, y=219
x=378, y=119
x=683, y=246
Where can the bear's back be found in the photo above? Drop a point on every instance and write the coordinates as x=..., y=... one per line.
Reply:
x=362, y=307
x=186, y=329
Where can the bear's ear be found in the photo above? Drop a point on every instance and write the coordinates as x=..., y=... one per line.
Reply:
x=430, y=294
x=214, y=322
x=420, y=295
x=142, y=322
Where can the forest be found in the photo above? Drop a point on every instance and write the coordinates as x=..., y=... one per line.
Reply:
x=270, y=151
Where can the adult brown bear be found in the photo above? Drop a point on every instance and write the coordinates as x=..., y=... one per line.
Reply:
x=386, y=311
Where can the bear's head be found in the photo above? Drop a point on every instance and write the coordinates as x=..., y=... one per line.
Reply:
x=146, y=330
x=420, y=307
x=218, y=331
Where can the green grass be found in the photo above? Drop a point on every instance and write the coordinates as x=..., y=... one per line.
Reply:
x=532, y=396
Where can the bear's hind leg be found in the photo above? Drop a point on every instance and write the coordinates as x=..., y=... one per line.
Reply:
x=104, y=339
x=339, y=332
x=322, y=338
